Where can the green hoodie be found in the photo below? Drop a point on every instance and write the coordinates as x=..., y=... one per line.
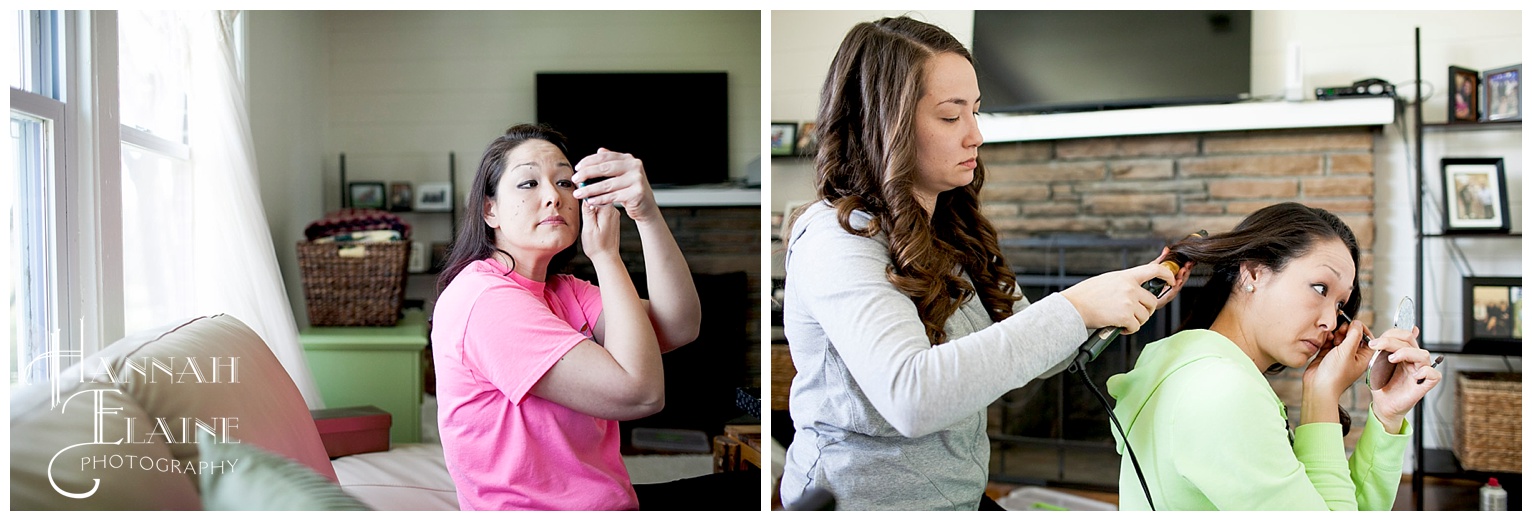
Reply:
x=1211, y=434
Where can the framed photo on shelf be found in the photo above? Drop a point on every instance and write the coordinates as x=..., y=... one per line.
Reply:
x=433, y=197
x=1463, y=105
x=808, y=143
x=783, y=136
x=1502, y=94
x=365, y=195
x=1475, y=195
x=400, y=197
x=1492, y=310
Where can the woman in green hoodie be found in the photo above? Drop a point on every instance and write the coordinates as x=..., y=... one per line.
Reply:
x=1207, y=428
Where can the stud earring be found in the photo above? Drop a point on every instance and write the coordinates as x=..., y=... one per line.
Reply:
x=1249, y=288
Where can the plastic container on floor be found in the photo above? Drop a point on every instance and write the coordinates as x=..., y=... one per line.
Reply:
x=1039, y=498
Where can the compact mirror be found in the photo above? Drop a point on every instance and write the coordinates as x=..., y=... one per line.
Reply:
x=1380, y=370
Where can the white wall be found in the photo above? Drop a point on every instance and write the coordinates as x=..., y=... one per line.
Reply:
x=1338, y=47
x=287, y=80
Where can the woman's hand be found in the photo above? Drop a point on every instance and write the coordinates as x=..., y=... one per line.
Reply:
x=1401, y=392
x=1339, y=365
x=1117, y=298
x=625, y=183
x=1175, y=286
x=1333, y=370
x=599, y=231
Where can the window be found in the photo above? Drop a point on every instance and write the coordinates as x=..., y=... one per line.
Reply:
x=30, y=200
x=157, y=205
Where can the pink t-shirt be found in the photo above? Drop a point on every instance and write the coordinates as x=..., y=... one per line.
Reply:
x=494, y=335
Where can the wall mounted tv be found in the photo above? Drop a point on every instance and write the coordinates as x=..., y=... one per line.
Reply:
x=677, y=123
x=1061, y=61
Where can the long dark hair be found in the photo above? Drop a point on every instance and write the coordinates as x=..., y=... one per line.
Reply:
x=1269, y=238
x=866, y=161
x=476, y=240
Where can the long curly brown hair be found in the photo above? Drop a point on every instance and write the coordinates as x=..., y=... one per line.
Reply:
x=866, y=161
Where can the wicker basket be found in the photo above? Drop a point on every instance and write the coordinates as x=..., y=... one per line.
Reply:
x=1489, y=421
x=365, y=287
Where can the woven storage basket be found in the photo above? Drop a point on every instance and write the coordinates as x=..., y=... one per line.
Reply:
x=1489, y=421
x=365, y=290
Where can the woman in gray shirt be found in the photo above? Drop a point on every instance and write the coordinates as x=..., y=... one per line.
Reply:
x=904, y=320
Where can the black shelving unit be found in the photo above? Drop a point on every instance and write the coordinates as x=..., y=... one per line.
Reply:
x=1442, y=462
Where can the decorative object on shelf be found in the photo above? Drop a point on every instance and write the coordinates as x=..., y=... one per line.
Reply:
x=365, y=195
x=1489, y=421
x=1475, y=195
x=783, y=136
x=433, y=197
x=808, y=143
x=1492, y=309
x=1463, y=106
x=418, y=258
x=1502, y=94
x=400, y=197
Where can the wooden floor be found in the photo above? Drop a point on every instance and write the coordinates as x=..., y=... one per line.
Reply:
x=1440, y=494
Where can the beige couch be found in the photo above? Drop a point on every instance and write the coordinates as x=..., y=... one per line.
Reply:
x=253, y=397
x=270, y=412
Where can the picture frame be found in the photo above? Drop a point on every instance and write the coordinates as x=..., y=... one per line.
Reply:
x=401, y=198
x=1474, y=195
x=784, y=137
x=808, y=143
x=366, y=194
x=433, y=197
x=1492, y=310
x=1463, y=103
x=1502, y=94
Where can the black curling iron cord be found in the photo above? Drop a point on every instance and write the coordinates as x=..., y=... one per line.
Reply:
x=1131, y=456
x=1088, y=351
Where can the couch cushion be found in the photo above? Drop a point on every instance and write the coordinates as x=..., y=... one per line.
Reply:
x=216, y=370
x=410, y=476
x=244, y=477
x=42, y=435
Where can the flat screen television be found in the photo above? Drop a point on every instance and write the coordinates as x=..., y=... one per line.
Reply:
x=677, y=123
x=1063, y=61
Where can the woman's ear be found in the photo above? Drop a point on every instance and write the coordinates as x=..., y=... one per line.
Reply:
x=489, y=213
x=1252, y=277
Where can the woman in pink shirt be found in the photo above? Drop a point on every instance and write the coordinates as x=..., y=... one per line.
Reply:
x=534, y=368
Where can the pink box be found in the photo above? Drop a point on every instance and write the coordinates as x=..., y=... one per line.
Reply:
x=353, y=430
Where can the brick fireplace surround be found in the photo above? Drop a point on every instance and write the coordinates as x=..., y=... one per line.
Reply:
x=1167, y=186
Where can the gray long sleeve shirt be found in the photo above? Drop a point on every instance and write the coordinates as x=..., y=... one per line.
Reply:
x=884, y=419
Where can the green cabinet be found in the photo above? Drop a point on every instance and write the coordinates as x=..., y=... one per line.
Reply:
x=377, y=366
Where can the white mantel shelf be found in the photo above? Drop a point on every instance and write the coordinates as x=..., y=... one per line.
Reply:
x=707, y=196
x=999, y=128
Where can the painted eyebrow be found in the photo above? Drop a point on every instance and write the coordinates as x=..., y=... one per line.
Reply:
x=1337, y=274
x=564, y=164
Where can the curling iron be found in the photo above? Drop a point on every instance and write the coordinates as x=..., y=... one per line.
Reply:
x=1103, y=337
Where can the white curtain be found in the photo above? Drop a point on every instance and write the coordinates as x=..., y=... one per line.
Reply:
x=236, y=264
